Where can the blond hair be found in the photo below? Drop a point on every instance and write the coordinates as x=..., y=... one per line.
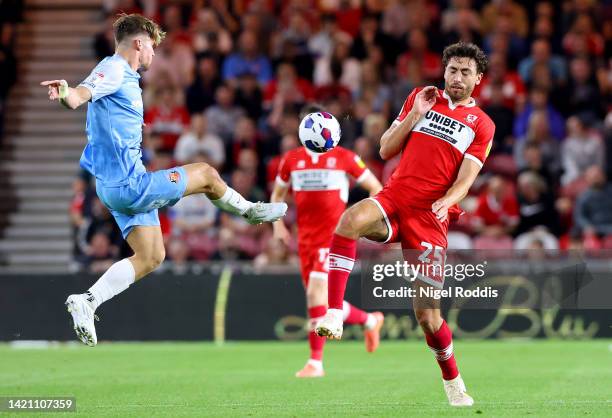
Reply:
x=134, y=24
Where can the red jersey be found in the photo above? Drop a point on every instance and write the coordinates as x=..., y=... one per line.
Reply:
x=320, y=186
x=436, y=147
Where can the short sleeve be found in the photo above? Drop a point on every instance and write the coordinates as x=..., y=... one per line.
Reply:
x=479, y=149
x=284, y=172
x=355, y=166
x=407, y=106
x=105, y=79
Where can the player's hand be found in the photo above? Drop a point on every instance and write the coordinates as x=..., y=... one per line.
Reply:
x=58, y=89
x=440, y=208
x=425, y=99
x=281, y=232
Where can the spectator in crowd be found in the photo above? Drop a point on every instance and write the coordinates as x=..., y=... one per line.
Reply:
x=533, y=161
x=287, y=89
x=497, y=10
x=541, y=55
x=419, y=51
x=104, y=41
x=536, y=205
x=321, y=44
x=245, y=137
x=223, y=115
x=593, y=210
x=580, y=150
x=373, y=91
x=249, y=95
x=275, y=256
x=582, y=37
x=100, y=253
x=582, y=94
x=539, y=134
x=497, y=212
x=247, y=59
x=498, y=110
x=512, y=86
x=462, y=25
x=198, y=140
x=201, y=93
x=539, y=101
x=208, y=34
x=371, y=36
x=350, y=75
x=167, y=118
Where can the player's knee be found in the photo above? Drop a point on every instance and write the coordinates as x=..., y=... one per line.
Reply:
x=352, y=221
x=209, y=177
x=428, y=319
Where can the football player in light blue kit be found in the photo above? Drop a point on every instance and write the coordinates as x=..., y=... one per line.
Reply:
x=113, y=156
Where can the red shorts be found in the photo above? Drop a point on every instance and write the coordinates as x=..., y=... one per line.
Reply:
x=314, y=263
x=423, y=236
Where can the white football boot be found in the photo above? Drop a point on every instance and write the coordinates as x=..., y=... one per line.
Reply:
x=457, y=393
x=83, y=318
x=265, y=212
x=330, y=325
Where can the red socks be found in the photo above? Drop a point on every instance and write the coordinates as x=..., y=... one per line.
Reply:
x=353, y=315
x=441, y=344
x=316, y=342
x=341, y=260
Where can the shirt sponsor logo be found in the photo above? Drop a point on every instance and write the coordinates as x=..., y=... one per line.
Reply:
x=447, y=129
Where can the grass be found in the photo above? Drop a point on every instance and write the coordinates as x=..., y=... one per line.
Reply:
x=506, y=378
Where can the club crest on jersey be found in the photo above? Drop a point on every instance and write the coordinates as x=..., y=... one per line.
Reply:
x=174, y=176
x=331, y=162
x=301, y=164
x=471, y=118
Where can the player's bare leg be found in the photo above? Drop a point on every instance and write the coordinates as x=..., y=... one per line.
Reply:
x=148, y=246
x=202, y=178
x=440, y=341
x=364, y=219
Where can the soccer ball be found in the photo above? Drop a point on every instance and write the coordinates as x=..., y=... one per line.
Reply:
x=319, y=132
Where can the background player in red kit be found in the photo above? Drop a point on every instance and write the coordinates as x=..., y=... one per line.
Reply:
x=444, y=140
x=320, y=184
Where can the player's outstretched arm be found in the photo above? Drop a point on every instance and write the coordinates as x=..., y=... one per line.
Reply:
x=392, y=141
x=280, y=230
x=460, y=188
x=69, y=97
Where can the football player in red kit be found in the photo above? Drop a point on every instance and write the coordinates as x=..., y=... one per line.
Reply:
x=444, y=139
x=320, y=185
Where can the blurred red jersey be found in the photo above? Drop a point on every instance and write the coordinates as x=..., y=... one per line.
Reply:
x=320, y=184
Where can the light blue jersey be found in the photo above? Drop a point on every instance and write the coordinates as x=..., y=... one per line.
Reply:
x=114, y=123
x=113, y=153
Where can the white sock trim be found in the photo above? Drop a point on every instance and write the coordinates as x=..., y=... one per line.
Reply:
x=116, y=279
x=232, y=202
x=317, y=364
x=346, y=310
x=370, y=322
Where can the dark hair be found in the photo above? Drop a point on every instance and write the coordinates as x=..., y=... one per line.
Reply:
x=466, y=50
x=310, y=108
x=134, y=24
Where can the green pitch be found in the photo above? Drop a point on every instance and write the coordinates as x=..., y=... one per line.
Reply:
x=506, y=378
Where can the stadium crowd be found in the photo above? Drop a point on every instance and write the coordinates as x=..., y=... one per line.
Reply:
x=229, y=81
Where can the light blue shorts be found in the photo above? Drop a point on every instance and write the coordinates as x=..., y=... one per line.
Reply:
x=136, y=203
